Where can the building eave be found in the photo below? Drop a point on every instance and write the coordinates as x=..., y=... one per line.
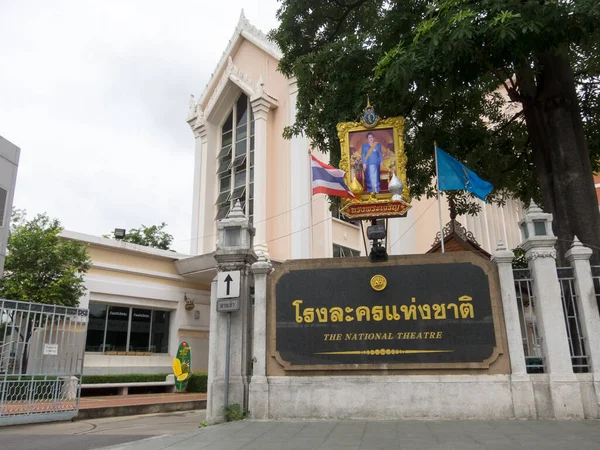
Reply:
x=126, y=247
x=200, y=268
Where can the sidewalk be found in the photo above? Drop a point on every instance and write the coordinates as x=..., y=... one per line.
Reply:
x=405, y=435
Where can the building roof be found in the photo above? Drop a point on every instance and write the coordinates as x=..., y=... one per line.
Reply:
x=126, y=247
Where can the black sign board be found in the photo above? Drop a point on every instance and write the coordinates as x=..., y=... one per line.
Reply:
x=402, y=314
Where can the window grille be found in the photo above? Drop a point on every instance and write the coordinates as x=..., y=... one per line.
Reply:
x=596, y=279
x=335, y=213
x=527, y=304
x=235, y=160
x=340, y=251
x=568, y=295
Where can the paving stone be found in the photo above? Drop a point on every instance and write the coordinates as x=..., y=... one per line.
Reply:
x=385, y=435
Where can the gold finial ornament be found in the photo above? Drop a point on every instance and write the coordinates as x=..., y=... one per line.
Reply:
x=378, y=283
x=370, y=118
x=355, y=186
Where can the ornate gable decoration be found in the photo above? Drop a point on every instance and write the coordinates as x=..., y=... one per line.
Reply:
x=457, y=238
x=255, y=90
x=196, y=117
x=246, y=30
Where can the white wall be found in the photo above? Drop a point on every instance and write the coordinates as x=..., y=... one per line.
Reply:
x=9, y=163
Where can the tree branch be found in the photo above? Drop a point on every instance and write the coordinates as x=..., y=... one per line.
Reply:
x=509, y=77
x=348, y=5
x=512, y=119
x=341, y=20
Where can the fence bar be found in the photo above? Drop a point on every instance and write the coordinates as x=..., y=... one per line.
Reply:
x=41, y=361
x=532, y=347
x=572, y=320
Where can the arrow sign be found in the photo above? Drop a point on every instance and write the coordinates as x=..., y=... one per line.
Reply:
x=228, y=284
x=228, y=280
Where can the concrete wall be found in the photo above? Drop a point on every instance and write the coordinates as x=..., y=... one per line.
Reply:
x=388, y=391
x=9, y=163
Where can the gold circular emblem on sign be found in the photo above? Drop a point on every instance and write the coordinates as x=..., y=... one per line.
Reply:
x=378, y=282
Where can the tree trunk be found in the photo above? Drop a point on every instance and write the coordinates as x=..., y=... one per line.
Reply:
x=560, y=151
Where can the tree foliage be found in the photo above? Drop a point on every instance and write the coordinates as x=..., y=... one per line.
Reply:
x=152, y=236
x=40, y=266
x=509, y=87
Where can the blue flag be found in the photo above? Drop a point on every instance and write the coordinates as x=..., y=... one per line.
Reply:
x=453, y=175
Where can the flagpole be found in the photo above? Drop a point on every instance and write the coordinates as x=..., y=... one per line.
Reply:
x=437, y=178
x=310, y=197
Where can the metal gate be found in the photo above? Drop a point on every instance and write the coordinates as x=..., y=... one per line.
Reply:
x=41, y=361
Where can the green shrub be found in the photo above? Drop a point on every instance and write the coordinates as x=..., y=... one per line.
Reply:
x=234, y=412
x=198, y=382
x=124, y=378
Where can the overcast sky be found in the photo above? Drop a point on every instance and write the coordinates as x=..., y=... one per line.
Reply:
x=95, y=93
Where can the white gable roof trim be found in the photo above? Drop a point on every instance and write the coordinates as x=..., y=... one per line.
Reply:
x=243, y=30
x=254, y=90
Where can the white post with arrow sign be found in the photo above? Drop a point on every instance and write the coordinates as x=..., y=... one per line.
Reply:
x=228, y=291
x=228, y=301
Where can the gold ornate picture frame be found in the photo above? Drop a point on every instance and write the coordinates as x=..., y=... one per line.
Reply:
x=380, y=140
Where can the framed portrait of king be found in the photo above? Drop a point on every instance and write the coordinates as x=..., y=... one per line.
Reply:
x=372, y=152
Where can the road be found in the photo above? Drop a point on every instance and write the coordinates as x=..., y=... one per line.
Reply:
x=97, y=433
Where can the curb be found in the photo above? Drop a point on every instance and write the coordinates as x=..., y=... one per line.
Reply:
x=134, y=410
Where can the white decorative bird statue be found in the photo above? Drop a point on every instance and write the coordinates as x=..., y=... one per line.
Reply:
x=396, y=188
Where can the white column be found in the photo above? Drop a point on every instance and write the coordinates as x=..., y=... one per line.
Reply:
x=260, y=108
x=300, y=189
x=522, y=389
x=487, y=228
x=564, y=388
x=579, y=258
x=214, y=405
x=197, y=244
x=259, y=387
x=197, y=123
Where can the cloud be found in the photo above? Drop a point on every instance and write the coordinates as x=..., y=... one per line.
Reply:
x=95, y=93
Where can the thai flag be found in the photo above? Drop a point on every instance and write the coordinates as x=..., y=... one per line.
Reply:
x=327, y=179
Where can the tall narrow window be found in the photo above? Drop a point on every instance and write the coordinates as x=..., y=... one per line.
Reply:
x=139, y=338
x=235, y=161
x=160, y=331
x=96, y=328
x=116, y=329
x=224, y=164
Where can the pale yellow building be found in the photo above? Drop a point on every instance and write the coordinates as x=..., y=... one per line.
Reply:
x=137, y=295
x=240, y=154
x=141, y=309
